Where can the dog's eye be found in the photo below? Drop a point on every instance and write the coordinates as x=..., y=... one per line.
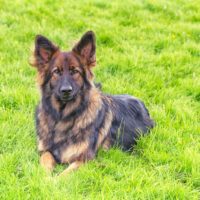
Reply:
x=56, y=71
x=73, y=71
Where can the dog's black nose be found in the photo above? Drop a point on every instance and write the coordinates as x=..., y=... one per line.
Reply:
x=65, y=89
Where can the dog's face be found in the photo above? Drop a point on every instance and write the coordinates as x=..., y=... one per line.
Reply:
x=66, y=77
x=65, y=73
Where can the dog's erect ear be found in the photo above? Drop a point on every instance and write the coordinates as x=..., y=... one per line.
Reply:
x=86, y=48
x=44, y=50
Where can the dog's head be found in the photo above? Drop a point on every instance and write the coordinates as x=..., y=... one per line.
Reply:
x=65, y=74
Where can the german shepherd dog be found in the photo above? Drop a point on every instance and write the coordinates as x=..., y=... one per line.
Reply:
x=74, y=119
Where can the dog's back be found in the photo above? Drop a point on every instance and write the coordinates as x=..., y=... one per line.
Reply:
x=130, y=120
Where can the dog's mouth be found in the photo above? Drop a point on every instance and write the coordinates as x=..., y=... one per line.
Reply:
x=66, y=98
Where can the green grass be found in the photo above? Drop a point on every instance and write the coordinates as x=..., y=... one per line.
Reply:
x=146, y=48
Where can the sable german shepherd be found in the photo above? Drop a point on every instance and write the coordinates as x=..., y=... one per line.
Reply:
x=74, y=119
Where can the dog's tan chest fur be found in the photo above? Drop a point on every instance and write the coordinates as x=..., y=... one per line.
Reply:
x=74, y=152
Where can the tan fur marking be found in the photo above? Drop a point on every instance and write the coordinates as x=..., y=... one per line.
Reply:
x=104, y=130
x=44, y=122
x=55, y=103
x=41, y=74
x=73, y=151
x=47, y=161
x=60, y=127
x=41, y=146
x=91, y=112
x=109, y=101
x=72, y=106
x=106, y=144
x=73, y=166
x=43, y=129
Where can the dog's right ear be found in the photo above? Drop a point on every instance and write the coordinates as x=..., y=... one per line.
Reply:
x=86, y=48
x=43, y=52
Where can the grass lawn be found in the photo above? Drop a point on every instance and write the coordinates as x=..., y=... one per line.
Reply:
x=146, y=48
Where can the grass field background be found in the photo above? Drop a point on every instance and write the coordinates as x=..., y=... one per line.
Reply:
x=146, y=48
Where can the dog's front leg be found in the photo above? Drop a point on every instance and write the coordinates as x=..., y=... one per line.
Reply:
x=47, y=161
x=73, y=166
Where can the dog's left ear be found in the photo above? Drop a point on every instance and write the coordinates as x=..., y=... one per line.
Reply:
x=86, y=48
x=44, y=51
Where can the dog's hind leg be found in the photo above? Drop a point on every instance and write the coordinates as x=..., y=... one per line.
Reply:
x=47, y=161
x=73, y=166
